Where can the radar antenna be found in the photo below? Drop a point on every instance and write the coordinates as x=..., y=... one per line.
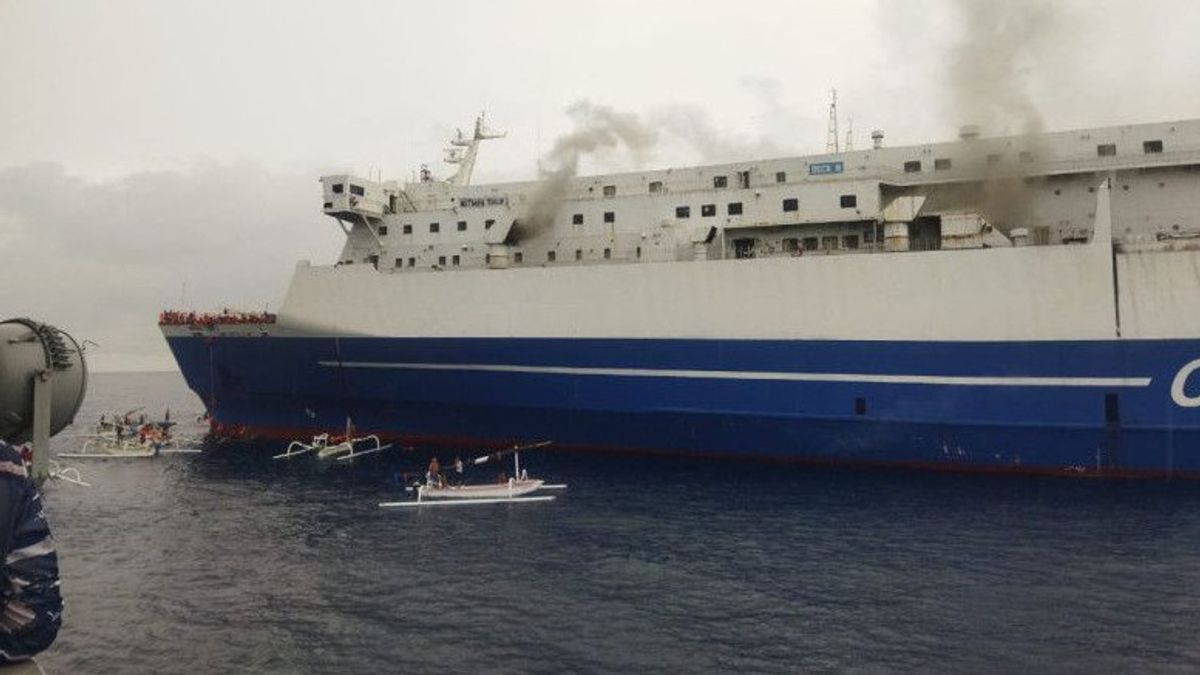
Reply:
x=463, y=150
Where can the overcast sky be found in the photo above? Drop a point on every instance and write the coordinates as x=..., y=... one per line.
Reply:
x=158, y=152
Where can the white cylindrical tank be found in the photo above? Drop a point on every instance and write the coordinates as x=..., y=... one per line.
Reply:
x=895, y=236
x=962, y=230
x=1019, y=236
x=498, y=256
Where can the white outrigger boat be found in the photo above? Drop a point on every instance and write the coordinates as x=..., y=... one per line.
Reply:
x=345, y=450
x=519, y=488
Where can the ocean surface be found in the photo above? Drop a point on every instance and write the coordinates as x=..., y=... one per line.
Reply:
x=229, y=562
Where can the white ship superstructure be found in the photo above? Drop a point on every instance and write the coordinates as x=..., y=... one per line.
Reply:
x=972, y=193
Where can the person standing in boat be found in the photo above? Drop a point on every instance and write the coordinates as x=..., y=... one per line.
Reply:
x=433, y=475
x=458, y=471
x=30, y=603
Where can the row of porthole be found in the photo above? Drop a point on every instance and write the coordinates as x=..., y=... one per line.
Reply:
x=706, y=210
x=1154, y=147
x=518, y=258
x=434, y=228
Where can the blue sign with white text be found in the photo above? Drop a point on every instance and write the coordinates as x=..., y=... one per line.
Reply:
x=825, y=168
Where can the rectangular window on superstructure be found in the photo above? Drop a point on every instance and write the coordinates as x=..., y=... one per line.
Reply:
x=811, y=244
x=610, y=190
x=328, y=205
x=850, y=241
x=550, y=256
x=743, y=179
x=412, y=262
x=912, y=167
x=579, y=254
x=455, y=260
x=869, y=236
x=1152, y=147
x=655, y=187
x=442, y=260
x=849, y=201
x=941, y=165
x=357, y=190
x=610, y=217
x=399, y=263
x=407, y=229
x=1106, y=150
x=683, y=212
x=791, y=245
x=720, y=181
x=518, y=257
x=434, y=227
x=338, y=188
x=791, y=204
x=708, y=210
x=462, y=226
x=829, y=243
x=734, y=208
x=780, y=176
x=607, y=253
x=639, y=252
x=383, y=230
x=487, y=224
x=577, y=219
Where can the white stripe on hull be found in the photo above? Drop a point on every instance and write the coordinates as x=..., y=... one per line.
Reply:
x=950, y=380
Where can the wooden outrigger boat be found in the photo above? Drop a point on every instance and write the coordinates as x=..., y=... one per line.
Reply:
x=344, y=449
x=110, y=447
x=519, y=488
x=124, y=438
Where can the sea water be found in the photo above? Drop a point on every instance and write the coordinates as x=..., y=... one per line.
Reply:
x=231, y=562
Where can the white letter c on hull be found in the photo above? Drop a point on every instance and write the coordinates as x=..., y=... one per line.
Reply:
x=1179, y=384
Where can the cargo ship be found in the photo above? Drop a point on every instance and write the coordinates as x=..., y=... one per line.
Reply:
x=1019, y=303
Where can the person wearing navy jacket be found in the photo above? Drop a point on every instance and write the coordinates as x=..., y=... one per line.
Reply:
x=30, y=603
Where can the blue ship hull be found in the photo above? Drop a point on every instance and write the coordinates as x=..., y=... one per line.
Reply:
x=1118, y=407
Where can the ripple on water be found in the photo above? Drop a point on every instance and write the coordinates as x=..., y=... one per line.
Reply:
x=232, y=562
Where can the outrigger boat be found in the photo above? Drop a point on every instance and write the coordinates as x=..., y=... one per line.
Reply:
x=110, y=447
x=123, y=438
x=518, y=488
x=342, y=449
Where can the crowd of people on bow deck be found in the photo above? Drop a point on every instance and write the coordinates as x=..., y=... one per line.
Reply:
x=224, y=317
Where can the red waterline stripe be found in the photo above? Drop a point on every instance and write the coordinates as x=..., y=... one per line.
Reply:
x=265, y=433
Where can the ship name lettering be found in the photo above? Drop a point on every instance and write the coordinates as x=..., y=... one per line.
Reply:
x=1179, y=386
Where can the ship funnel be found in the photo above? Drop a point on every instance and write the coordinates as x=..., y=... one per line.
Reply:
x=877, y=138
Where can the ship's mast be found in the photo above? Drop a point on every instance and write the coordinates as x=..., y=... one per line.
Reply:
x=831, y=138
x=463, y=151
